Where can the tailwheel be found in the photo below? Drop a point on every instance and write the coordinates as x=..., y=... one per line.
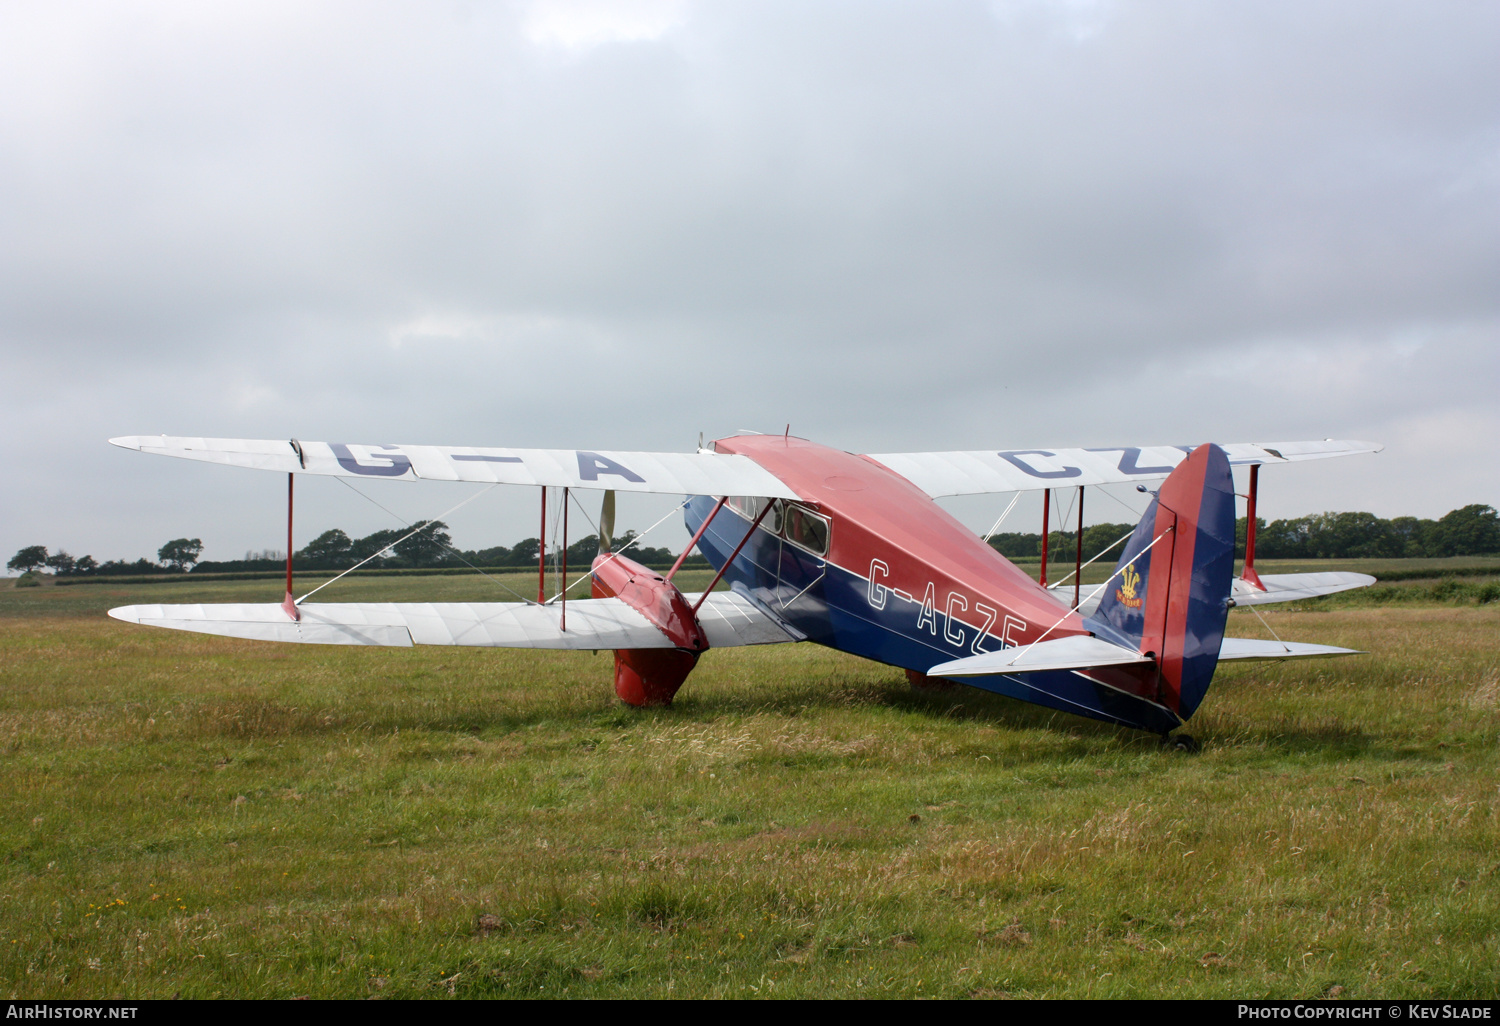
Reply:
x=921, y=682
x=1180, y=743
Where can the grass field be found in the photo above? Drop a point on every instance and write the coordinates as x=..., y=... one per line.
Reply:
x=192, y=815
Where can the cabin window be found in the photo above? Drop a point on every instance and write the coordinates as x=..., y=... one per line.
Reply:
x=807, y=529
x=772, y=522
x=749, y=507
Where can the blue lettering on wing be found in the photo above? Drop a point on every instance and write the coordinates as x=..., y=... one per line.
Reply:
x=591, y=465
x=1128, y=462
x=397, y=466
x=1013, y=458
x=484, y=459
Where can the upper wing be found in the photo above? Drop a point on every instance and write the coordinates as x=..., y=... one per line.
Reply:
x=728, y=620
x=675, y=473
x=1014, y=470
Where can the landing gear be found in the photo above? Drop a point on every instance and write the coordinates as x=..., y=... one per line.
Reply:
x=923, y=683
x=1180, y=743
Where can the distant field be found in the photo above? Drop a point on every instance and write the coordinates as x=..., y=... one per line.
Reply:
x=97, y=597
x=94, y=595
x=203, y=816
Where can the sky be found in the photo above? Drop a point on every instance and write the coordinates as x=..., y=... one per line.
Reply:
x=892, y=226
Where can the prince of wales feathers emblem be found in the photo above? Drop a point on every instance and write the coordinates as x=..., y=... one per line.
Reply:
x=1125, y=594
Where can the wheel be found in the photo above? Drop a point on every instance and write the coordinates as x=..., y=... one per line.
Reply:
x=927, y=685
x=1180, y=742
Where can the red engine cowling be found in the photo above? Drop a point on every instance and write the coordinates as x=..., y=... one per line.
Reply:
x=650, y=676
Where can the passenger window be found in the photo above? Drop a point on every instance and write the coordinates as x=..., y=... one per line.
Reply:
x=807, y=529
x=749, y=507
x=772, y=522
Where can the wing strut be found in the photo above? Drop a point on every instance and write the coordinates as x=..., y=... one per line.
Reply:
x=1078, y=551
x=288, y=603
x=1248, y=574
x=713, y=583
x=704, y=527
x=1046, y=509
x=541, y=554
x=564, y=559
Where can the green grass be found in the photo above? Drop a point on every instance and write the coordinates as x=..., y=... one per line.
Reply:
x=198, y=815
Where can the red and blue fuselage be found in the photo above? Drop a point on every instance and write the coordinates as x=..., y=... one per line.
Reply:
x=869, y=564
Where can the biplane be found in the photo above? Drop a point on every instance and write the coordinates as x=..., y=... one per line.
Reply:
x=844, y=550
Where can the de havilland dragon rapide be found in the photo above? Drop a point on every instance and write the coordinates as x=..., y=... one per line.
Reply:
x=838, y=549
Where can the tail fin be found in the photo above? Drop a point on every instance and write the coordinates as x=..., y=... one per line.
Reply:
x=1170, y=596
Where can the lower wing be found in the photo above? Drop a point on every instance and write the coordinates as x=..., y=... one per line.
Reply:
x=728, y=619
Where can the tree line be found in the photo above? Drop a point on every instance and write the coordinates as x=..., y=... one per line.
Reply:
x=430, y=546
x=176, y=556
x=1472, y=530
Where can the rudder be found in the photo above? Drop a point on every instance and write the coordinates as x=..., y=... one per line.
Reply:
x=1170, y=594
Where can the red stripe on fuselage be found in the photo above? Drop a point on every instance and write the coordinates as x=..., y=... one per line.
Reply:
x=878, y=515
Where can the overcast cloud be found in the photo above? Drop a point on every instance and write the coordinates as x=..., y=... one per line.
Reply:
x=894, y=226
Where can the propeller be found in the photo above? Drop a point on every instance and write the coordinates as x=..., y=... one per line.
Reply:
x=606, y=521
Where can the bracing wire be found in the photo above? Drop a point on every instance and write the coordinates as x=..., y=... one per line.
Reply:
x=529, y=601
x=1107, y=548
x=398, y=541
x=1063, y=519
x=557, y=540
x=574, y=496
x=621, y=550
x=1267, y=626
x=1085, y=566
x=992, y=530
x=450, y=548
x=1090, y=595
x=586, y=576
x=1130, y=509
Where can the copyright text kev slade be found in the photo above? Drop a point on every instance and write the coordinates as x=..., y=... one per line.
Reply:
x=1371, y=1011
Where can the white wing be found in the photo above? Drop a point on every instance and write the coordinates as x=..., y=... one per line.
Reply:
x=1012, y=470
x=728, y=620
x=672, y=473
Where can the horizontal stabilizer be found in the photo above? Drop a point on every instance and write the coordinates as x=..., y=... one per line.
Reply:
x=728, y=620
x=1079, y=652
x=1279, y=588
x=1249, y=649
x=1290, y=587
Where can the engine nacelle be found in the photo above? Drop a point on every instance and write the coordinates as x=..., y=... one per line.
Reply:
x=650, y=676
